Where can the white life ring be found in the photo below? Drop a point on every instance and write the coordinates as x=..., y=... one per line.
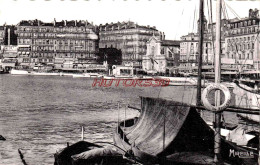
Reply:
x=206, y=92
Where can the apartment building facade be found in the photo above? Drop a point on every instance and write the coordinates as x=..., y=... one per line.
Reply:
x=57, y=43
x=128, y=37
x=242, y=42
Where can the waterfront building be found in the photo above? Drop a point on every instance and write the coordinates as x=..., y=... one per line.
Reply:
x=209, y=42
x=189, y=50
x=128, y=37
x=8, y=47
x=2, y=35
x=239, y=45
x=162, y=56
x=65, y=44
x=9, y=57
x=242, y=43
x=189, y=45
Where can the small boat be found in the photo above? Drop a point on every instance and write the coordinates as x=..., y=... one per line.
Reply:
x=19, y=72
x=45, y=73
x=182, y=81
x=87, y=75
x=63, y=157
x=126, y=77
x=68, y=74
x=84, y=152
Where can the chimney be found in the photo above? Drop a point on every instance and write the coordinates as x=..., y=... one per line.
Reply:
x=38, y=22
x=54, y=22
x=75, y=22
x=65, y=23
x=9, y=37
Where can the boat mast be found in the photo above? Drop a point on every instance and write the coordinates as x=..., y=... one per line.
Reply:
x=201, y=30
x=217, y=81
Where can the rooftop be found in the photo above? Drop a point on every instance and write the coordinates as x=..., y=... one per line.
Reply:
x=170, y=43
x=123, y=25
x=63, y=23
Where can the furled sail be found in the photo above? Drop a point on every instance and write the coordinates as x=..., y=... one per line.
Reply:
x=166, y=126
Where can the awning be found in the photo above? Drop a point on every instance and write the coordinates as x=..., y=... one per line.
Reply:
x=24, y=46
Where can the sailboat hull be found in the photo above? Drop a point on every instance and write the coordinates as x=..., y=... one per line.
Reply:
x=166, y=129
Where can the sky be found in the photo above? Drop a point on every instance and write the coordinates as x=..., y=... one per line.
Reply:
x=173, y=17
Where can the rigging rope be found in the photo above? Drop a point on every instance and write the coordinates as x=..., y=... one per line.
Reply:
x=232, y=10
x=179, y=24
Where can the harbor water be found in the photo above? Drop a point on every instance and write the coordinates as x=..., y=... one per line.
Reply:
x=40, y=114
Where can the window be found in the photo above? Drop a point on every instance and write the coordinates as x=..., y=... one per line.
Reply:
x=170, y=54
x=162, y=50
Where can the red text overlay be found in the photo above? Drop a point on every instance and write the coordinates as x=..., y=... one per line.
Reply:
x=131, y=82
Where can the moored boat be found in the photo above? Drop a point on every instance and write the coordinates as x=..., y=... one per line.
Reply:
x=247, y=96
x=45, y=73
x=166, y=129
x=19, y=72
x=182, y=81
x=87, y=75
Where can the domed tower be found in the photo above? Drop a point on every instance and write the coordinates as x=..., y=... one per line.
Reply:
x=205, y=22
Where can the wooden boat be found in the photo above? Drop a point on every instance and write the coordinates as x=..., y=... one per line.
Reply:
x=104, y=155
x=87, y=75
x=64, y=156
x=45, y=73
x=166, y=129
x=83, y=152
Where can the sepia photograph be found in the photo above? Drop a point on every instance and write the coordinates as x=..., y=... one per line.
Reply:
x=122, y=82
